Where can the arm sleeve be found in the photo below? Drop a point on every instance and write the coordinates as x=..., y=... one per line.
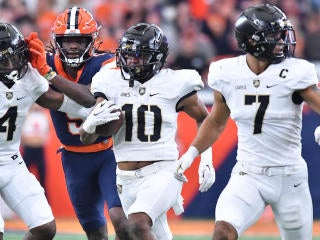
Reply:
x=74, y=109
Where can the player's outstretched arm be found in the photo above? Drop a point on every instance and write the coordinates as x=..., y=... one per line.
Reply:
x=60, y=102
x=196, y=109
x=208, y=133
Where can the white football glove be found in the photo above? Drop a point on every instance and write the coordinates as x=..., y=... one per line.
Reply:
x=317, y=135
x=207, y=174
x=101, y=114
x=186, y=159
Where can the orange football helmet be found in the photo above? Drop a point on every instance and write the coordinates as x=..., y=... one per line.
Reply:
x=76, y=22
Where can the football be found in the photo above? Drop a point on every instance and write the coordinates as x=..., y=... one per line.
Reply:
x=110, y=128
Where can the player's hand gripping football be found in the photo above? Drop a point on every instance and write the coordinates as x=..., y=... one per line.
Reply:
x=207, y=174
x=37, y=54
x=317, y=135
x=103, y=112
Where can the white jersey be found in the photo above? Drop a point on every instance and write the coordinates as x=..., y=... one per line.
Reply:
x=15, y=104
x=150, y=109
x=269, y=123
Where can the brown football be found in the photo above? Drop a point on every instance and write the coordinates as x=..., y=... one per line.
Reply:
x=110, y=128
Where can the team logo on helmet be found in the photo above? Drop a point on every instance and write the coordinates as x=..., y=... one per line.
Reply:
x=6, y=52
x=256, y=21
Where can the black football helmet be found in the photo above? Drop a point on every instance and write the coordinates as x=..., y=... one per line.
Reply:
x=13, y=54
x=145, y=42
x=266, y=25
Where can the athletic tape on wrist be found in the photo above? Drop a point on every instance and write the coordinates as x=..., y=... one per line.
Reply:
x=193, y=151
x=50, y=75
x=65, y=104
x=71, y=107
x=88, y=127
x=207, y=154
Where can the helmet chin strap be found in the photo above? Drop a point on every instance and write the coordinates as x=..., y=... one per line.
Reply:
x=132, y=75
x=131, y=82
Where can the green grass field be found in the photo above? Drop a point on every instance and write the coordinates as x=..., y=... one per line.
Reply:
x=59, y=236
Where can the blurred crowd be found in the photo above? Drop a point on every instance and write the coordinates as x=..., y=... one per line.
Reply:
x=199, y=31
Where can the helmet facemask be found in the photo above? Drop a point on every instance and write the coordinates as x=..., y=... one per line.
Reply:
x=146, y=64
x=79, y=56
x=13, y=67
x=266, y=41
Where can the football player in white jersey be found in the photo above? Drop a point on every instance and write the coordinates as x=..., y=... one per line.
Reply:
x=21, y=85
x=146, y=152
x=262, y=91
x=1, y=227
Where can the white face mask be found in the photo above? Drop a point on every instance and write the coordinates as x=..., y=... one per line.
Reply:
x=14, y=75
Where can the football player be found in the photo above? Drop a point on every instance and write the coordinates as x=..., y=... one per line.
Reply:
x=1, y=227
x=265, y=101
x=21, y=86
x=146, y=152
x=89, y=169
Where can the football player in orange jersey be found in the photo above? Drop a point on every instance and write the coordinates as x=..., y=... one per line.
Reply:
x=89, y=169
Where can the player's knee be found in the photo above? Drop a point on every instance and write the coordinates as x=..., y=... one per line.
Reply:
x=120, y=222
x=224, y=231
x=139, y=224
x=292, y=221
x=45, y=231
x=137, y=228
x=122, y=229
x=100, y=234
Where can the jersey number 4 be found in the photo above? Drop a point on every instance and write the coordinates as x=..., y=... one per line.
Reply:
x=10, y=119
x=264, y=102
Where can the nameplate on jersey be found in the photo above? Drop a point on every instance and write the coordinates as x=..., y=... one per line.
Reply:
x=125, y=94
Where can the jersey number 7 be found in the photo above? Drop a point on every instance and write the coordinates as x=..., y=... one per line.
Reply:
x=264, y=102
